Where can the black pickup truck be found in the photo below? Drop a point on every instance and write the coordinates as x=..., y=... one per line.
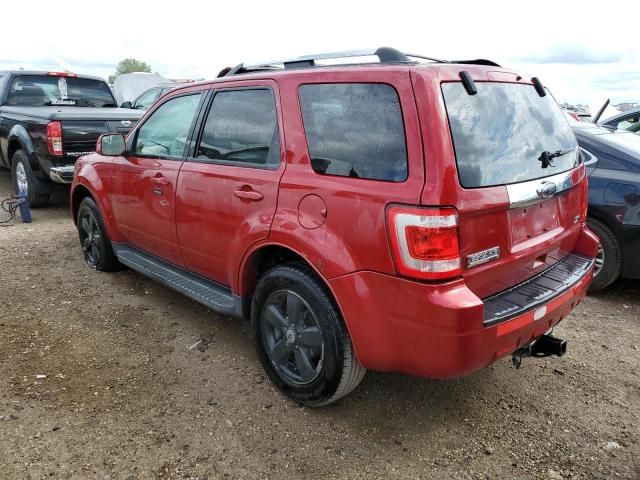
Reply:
x=47, y=121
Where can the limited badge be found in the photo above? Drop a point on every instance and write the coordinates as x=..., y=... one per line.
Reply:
x=484, y=256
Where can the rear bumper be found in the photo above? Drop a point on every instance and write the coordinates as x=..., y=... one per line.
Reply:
x=439, y=331
x=62, y=174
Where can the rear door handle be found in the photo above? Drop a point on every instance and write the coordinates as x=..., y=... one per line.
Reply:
x=160, y=181
x=249, y=195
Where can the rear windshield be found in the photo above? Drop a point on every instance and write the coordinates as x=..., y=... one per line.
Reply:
x=506, y=133
x=44, y=90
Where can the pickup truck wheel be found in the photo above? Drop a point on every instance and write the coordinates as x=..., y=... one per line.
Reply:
x=24, y=180
x=608, y=263
x=301, y=338
x=94, y=239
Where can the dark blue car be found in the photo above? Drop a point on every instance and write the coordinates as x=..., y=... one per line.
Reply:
x=612, y=158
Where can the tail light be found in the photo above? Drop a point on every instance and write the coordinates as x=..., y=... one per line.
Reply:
x=61, y=74
x=54, y=138
x=424, y=242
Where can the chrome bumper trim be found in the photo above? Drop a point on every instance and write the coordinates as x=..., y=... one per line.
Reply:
x=62, y=174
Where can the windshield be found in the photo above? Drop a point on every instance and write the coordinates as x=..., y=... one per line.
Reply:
x=44, y=90
x=507, y=133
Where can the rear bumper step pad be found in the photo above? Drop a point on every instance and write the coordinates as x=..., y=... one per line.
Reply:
x=537, y=290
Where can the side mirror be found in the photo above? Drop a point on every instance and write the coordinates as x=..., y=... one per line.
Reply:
x=111, y=145
x=126, y=104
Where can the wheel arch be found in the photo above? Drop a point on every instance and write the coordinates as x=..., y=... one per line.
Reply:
x=79, y=193
x=81, y=190
x=19, y=139
x=606, y=219
x=261, y=258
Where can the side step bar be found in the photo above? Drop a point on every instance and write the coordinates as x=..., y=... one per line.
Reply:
x=204, y=291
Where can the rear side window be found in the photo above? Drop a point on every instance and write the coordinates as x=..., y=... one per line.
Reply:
x=355, y=130
x=241, y=128
x=501, y=134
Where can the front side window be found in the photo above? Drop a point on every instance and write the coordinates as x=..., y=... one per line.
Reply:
x=145, y=100
x=355, y=130
x=166, y=131
x=241, y=128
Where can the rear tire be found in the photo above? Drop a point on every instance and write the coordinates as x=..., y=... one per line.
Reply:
x=22, y=178
x=609, y=258
x=301, y=339
x=94, y=239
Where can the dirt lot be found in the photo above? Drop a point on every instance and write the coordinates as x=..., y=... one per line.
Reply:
x=125, y=397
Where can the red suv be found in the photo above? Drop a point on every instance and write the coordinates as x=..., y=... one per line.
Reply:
x=411, y=215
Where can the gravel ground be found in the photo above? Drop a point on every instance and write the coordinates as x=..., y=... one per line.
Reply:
x=98, y=380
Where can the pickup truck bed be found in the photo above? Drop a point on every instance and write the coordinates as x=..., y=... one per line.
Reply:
x=30, y=130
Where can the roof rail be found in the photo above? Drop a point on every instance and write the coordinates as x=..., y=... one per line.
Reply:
x=384, y=54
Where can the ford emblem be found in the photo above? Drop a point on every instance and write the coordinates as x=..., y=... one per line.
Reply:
x=547, y=190
x=126, y=123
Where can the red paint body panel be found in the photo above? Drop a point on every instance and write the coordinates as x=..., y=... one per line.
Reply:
x=143, y=201
x=94, y=173
x=400, y=324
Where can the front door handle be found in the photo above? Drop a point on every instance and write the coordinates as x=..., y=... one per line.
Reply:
x=249, y=195
x=160, y=180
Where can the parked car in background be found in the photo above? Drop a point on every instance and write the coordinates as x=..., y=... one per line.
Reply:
x=425, y=218
x=148, y=97
x=612, y=158
x=629, y=120
x=578, y=115
x=48, y=120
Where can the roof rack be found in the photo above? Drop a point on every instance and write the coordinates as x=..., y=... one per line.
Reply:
x=384, y=54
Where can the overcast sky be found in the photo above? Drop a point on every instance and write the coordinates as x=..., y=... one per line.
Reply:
x=583, y=53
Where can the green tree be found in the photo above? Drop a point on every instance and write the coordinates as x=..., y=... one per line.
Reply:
x=129, y=65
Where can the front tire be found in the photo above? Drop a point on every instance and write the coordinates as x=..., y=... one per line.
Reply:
x=94, y=239
x=608, y=259
x=24, y=180
x=301, y=339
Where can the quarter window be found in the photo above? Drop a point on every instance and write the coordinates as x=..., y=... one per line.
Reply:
x=166, y=131
x=355, y=130
x=145, y=100
x=241, y=128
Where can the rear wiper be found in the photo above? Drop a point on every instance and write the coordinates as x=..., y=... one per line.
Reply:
x=547, y=157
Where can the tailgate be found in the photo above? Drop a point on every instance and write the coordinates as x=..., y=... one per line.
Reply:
x=79, y=137
x=517, y=158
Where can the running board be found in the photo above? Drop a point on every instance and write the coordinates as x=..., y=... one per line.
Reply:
x=210, y=294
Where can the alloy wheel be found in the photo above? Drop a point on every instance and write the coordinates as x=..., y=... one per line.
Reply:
x=599, y=261
x=21, y=179
x=292, y=338
x=90, y=239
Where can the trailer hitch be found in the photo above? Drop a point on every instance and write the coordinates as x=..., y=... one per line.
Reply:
x=544, y=346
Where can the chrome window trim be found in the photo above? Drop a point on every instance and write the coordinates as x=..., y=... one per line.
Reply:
x=533, y=191
x=593, y=159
